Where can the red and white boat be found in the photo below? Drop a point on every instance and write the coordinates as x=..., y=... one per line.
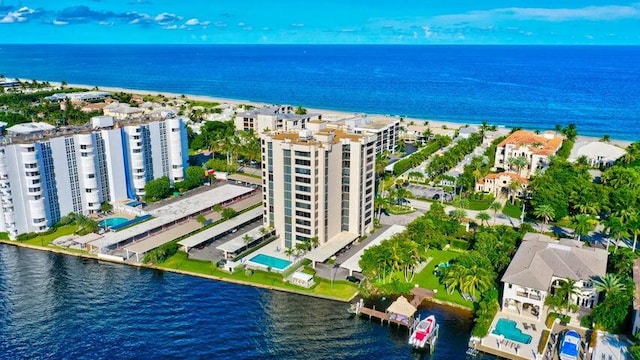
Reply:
x=423, y=332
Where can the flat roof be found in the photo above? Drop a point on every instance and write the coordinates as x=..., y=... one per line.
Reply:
x=87, y=238
x=200, y=202
x=238, y=243
x=245, y=178
x=352, y=262
x=302, y=276
x=219, y=229
x=31, y=127
x=164, y=237
x=328, y=249
x=172, y=212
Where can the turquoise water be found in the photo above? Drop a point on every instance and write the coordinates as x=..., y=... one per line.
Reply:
x=271, y=261
x=508, y=329
x=106, y=223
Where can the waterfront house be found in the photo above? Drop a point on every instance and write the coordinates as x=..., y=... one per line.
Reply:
x=499, y=184
x=541, y=264
x=597, y=153
x=536, y=149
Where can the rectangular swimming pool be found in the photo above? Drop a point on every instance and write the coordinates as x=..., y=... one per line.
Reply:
x=508, y=329
x=270, y=261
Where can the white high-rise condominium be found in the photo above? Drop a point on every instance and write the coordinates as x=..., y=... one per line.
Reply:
x=45, y=177
x=318, y=183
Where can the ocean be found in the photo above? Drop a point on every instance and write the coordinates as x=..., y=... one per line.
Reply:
x=63, y=307
x=536, y=87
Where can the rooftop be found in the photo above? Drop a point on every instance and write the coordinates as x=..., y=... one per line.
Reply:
x=512, y=176
x=300, y=137
x=352, y=263
x=540, y=258
x=221, y=228
x=30, y=128
x=238, y=242
x=331, y=247
x=537, y=144
x=596, y=149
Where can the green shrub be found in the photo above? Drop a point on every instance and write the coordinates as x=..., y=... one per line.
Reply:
x=460, y=244
x=26, y=236
x=586, y=321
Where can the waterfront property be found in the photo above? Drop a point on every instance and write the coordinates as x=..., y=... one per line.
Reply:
x=269, y=262
x=273, y=118
x=318, y=184
x=170, y=215
x=386, y=129
x=541, y=265
x=47, y=174
x=352, y=263
x=536, y=149
x=597, y=153
x=235, y=246
x=509, y=330
x=499, y=185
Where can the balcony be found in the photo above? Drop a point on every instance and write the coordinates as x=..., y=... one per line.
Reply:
x=529, y=295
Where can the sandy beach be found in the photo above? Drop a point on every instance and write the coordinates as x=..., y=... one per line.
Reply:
x=327, y=114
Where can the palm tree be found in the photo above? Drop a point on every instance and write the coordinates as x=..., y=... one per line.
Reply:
x=517, y=162
x=247, y=239
x=458, y=214
x=495, y=206
x=476, y=280
x=463, y=203
x=609, y=284
x=567, y=290
x=483, y=217
x=545, y=212
x=289, y=252
x=616, y=229
x=380, y=204
x=513, y=189
x=314, y=241
x=581, y=225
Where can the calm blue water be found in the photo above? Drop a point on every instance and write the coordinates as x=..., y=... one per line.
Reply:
x=112, y=221
x=63, y=307
x=271, y=261
x=528, y=86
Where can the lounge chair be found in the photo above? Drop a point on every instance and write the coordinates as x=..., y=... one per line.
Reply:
x=526, y=327
x=533, y=326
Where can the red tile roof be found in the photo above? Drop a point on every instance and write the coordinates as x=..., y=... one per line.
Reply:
x=537, y=144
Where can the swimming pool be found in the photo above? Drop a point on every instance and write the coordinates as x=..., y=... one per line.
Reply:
x=107, y=223
x=508, y=329
x=270, y=261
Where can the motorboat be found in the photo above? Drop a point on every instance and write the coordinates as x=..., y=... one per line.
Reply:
x=423, y=332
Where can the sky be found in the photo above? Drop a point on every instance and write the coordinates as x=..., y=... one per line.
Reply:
x=559, y=22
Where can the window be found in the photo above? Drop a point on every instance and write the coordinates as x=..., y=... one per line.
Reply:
x=303, y=171
x=303, y=162
x=303, y=188
x=303, y=153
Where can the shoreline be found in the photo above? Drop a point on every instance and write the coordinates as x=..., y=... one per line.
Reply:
x=175, y=271
x=330, y=114
x=86, y=255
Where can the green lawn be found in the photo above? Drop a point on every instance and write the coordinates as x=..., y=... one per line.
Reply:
x=514, y=211
x=45, y=240
x=340, y=289
x=480, y=205
x=399, y=210
x=428, y=280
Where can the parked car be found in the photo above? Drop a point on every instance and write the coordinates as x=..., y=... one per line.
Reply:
x=353, y=279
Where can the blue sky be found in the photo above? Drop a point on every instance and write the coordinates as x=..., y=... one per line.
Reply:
x=319, y=22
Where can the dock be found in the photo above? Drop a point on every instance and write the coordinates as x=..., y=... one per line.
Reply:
x=372, y=313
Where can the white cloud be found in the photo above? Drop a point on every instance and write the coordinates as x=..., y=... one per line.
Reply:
x=203, y=37
x=297, y=25
x=428, y=33
x=166, y=18
x=241, y=23
x=171, y=27
x=18, y=16
x=58, y=22
x=192, y=22
x=592, y=13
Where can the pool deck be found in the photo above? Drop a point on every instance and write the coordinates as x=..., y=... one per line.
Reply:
x=273, y=249
x=505, y=348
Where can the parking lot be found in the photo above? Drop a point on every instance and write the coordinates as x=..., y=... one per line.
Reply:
x=209, y=252
x=430, y=192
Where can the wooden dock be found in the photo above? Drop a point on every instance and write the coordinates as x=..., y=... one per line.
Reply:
x=372, y=313
x=420, y=294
